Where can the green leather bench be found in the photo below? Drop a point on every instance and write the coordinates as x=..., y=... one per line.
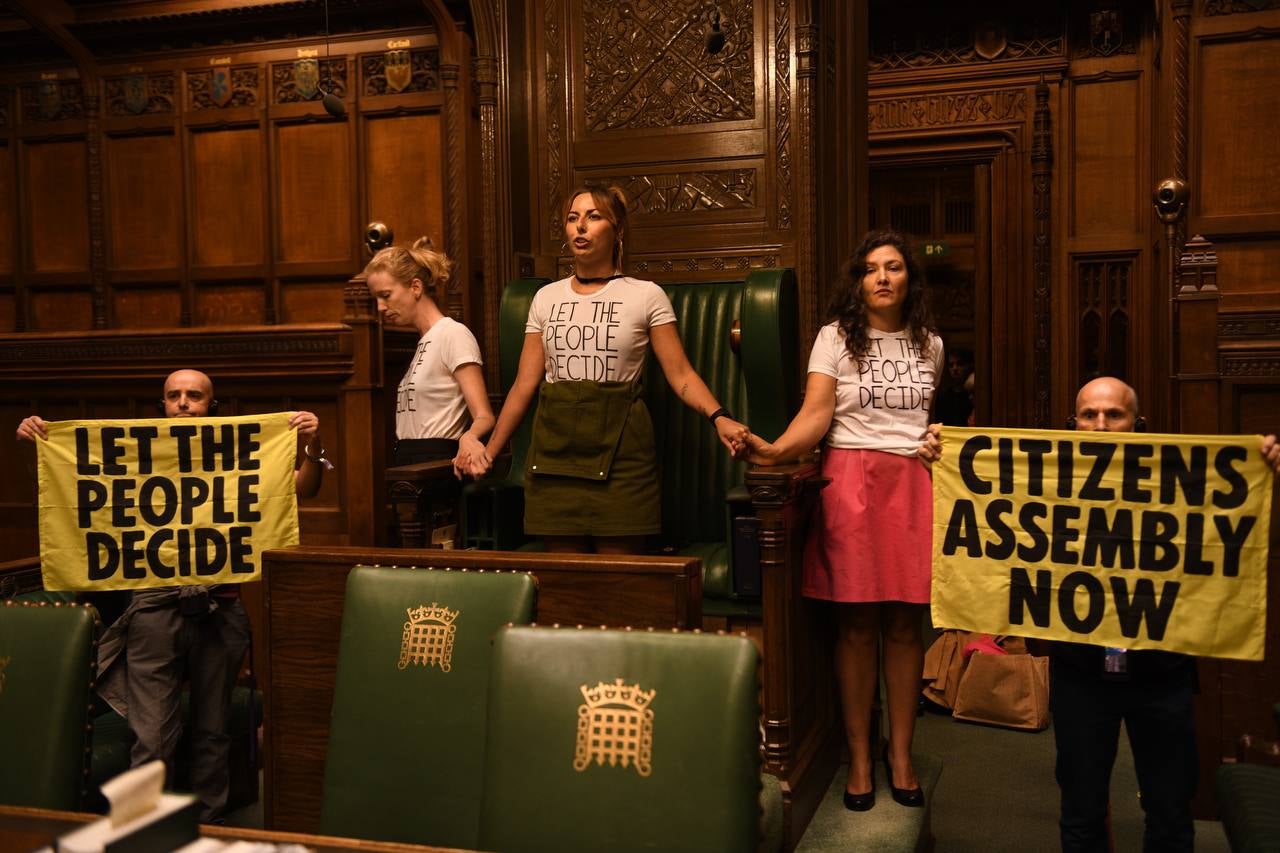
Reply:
x=48, y=660
x=407, y=737
x=702, y=487
x=622, y=741
x=1248, y=798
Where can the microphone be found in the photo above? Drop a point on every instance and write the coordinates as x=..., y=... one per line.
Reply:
x=333, y=105
x=715, y=35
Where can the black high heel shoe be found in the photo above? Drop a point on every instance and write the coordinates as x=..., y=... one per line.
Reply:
x=910, y=797
x=862, y=802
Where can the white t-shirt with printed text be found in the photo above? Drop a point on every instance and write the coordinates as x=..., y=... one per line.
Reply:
x=429, y=403
x=882, y=399
x=601, y=337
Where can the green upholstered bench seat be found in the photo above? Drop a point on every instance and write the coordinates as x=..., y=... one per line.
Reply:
x=1249, y=805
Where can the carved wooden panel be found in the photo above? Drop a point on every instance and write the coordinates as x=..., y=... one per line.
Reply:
x=205, y=88
x=314, y=177
x=146, y=307
x=1247, y=275
x=229, y=305
x=645, y=64
x=311, y=302
x=56, y=207
x=6, y=105
x=52, y=100
x=403, y=173
x=927, y=35
x=1104, y=157
x=144, y=202
x=996, y=106
x=421, y=75
x=1212, y=8
x=8, y=204
x=141, y=94
x=226, y=209
x=61, y=310
x=683, y=192
x=8, y=312
x=308, y=79
x=1238, y=147
x=1103, y=294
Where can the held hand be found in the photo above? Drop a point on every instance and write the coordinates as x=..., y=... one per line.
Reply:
x=1271, y=452
x=470, y=452
x=930, y=450
x=32, y=428
x=479, y=464
x=760, y=452
x=732, y=434
x=307, y=425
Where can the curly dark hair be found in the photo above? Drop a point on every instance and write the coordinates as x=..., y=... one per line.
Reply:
x=850, y=310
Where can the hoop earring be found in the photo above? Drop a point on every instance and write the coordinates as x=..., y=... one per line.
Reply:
x=564, y=248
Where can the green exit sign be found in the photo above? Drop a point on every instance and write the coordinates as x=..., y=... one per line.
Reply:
x=935, y=249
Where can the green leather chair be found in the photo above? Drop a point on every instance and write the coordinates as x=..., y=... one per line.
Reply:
x=48, y=663
x=702, y=487
x=407, y=737
x=621, y=741
x=1248, y=796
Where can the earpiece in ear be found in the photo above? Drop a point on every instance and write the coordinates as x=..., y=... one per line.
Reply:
x=213, y=407
x=1140, y=424
x=160, y=406
x=1071, y=422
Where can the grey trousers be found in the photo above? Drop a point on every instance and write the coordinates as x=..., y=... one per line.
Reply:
x=161, y=646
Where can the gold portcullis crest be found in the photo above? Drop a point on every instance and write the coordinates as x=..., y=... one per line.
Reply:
x=428, y=637
x=615, y=725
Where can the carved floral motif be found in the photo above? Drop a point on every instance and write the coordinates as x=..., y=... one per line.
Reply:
x=424, y=73
x=1231, y=7
x=52, y=100
x=244, y=88
x=724, y=189
x=285, y=88
x=959, y=108
x=646, y=64
x=157, y=94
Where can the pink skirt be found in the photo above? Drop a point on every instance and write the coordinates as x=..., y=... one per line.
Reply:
x=871, y=535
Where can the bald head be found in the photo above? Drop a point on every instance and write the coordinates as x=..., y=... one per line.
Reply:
x=1106, y=405
x=187, y=394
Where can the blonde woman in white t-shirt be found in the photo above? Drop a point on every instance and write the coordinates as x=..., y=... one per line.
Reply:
x=872, y=375
x=442, y=410
x=591, y=479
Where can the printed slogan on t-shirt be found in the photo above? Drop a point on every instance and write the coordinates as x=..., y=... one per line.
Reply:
x=581, y=340
x=889, y=376
x=1129, y=540
x=159, y=502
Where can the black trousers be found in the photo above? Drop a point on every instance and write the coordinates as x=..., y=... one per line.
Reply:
x=1157, y=713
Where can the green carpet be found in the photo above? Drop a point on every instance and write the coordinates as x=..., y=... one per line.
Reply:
x=887, y=827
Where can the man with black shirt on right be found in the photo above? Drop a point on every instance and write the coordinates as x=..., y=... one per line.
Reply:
x=1093, y=689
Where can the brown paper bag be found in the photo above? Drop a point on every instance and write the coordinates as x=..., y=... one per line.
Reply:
x=943, y=666
x=1005, y=690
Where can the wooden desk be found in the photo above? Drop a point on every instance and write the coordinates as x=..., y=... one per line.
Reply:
x=303, y=596
x=30, y=829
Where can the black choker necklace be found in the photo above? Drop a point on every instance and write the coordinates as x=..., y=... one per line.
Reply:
x=597, y=280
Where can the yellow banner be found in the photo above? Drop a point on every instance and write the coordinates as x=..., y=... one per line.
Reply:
x=132, y=504
x=1132, y=540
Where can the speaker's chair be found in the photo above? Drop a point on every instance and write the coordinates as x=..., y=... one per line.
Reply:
x=621, y=741
x=48, y=663
x=407, y=739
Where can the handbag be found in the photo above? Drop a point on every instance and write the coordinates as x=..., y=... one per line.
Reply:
x=944, y=665
x=1010, y=690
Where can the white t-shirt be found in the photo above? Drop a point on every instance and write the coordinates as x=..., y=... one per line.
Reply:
x=602, y=337
x=883, y=399
x=429, y=403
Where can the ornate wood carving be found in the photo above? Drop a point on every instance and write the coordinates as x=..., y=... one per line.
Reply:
x=782, y=112
x=456, y=188
x=52, y=100
x=1255, y=366
x=807, y=222
x=959, y=108
x=157, y=94
x=953, y=303
x=554, y=114
x=424, y=75
x=681, y=192
x=172, y=348
x=1232, y=7
x=1108, y=31
x=1197, y=270
x=645, y=65
x=1103, y=319
x=1249, y=326
x=6, y=97
x=912, y=43
x=284, y=84
x=1041, y=253
x=738, y=263
x=97, y=208
x=244, y=88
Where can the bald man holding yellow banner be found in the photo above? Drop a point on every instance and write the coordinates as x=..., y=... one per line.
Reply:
x=179, y=511
x=1133, y=551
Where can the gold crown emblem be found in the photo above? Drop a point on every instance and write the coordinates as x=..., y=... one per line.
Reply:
x=617, y=693
x=434, y=613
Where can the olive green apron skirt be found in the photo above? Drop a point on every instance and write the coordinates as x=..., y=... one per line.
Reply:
x=592, y=469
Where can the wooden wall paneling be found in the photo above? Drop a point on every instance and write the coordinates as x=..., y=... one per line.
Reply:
x=1104, y=193
x=314, y=211
x=1248, y=274
x=404, y=162
x=1234, y=146
x=54, y=205
x=9, y=227
x=227, y=228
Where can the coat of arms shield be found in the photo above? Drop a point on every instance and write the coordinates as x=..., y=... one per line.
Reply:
x=220, y=88
x=135, y=93
x=399, y=70
x=1106, y=31
x=306, y=78
x=50, y=99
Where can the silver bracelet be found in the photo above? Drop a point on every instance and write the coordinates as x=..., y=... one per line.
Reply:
x=318, y=459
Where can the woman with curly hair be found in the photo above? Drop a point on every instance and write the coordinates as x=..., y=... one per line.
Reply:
x=872, y=375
